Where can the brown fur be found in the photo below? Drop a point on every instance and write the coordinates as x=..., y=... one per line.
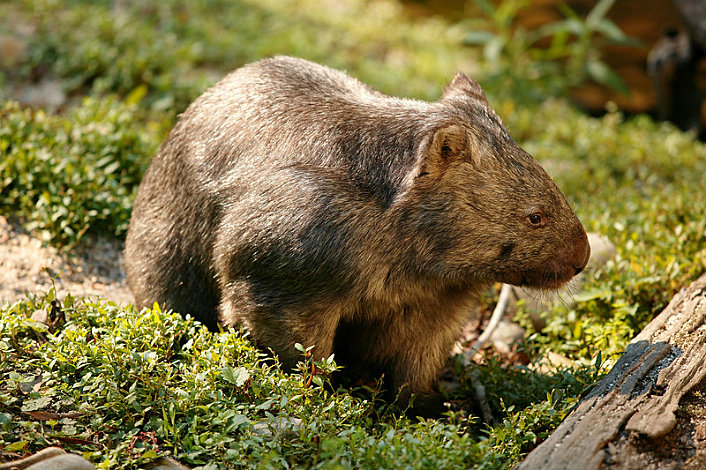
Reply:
x=299, y=202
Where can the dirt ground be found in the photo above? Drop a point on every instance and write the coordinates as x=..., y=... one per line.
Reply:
x=95, y=268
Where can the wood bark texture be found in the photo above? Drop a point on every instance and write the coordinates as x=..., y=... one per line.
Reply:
x=640, y=394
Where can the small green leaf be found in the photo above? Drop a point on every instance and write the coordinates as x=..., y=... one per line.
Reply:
x=603, y=74
x=476, y=38
x=237, y=377
x=613, y=33
x=16, y=446
x=598, y=12
x=487, y=7
x=493, y=49
x=239, y=420
x=136, y=95
x=37, y=403
x=592, y=294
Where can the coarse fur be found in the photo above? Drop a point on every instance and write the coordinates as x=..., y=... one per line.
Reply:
x=299, y=202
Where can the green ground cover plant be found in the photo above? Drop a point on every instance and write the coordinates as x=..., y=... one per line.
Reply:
x=79, y=171
x=123, y=387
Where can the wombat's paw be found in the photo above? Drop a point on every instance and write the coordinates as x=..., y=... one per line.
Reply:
x=427, y=406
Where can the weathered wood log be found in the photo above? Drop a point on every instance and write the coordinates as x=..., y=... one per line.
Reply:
x=639, y=395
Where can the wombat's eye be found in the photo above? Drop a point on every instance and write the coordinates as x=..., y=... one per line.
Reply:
x=535, y=219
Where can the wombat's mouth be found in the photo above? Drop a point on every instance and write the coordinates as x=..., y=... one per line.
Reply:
x=540, y=279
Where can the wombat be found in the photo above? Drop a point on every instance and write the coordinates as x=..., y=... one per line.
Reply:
x=306, y=206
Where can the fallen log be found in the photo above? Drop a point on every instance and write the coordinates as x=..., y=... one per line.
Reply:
x=639, y=396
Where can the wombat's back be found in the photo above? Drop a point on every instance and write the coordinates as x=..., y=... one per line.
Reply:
x=287, y=111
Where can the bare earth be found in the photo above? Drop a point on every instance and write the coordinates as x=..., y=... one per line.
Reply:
x=94, y=268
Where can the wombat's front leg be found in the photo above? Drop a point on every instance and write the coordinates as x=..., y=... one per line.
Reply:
x=415, y=373
x=282, y=331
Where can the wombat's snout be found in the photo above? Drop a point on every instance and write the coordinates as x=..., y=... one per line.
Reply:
x=567, y=262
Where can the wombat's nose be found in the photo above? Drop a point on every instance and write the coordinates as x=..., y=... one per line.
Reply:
x=586, y=255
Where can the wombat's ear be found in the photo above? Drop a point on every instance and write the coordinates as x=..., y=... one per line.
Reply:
x=447, y=144
x=464, y=86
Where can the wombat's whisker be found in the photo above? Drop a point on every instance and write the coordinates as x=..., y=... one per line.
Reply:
x=568, y=293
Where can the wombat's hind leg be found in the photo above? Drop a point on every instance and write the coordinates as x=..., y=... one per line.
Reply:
x=281, y=331
x=316, y=330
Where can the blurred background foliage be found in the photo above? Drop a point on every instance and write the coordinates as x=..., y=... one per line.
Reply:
x=90, y=89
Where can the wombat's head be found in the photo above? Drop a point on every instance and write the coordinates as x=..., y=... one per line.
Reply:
x=489, y=209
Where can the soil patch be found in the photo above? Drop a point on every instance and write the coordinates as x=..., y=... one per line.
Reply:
x=94, y=268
